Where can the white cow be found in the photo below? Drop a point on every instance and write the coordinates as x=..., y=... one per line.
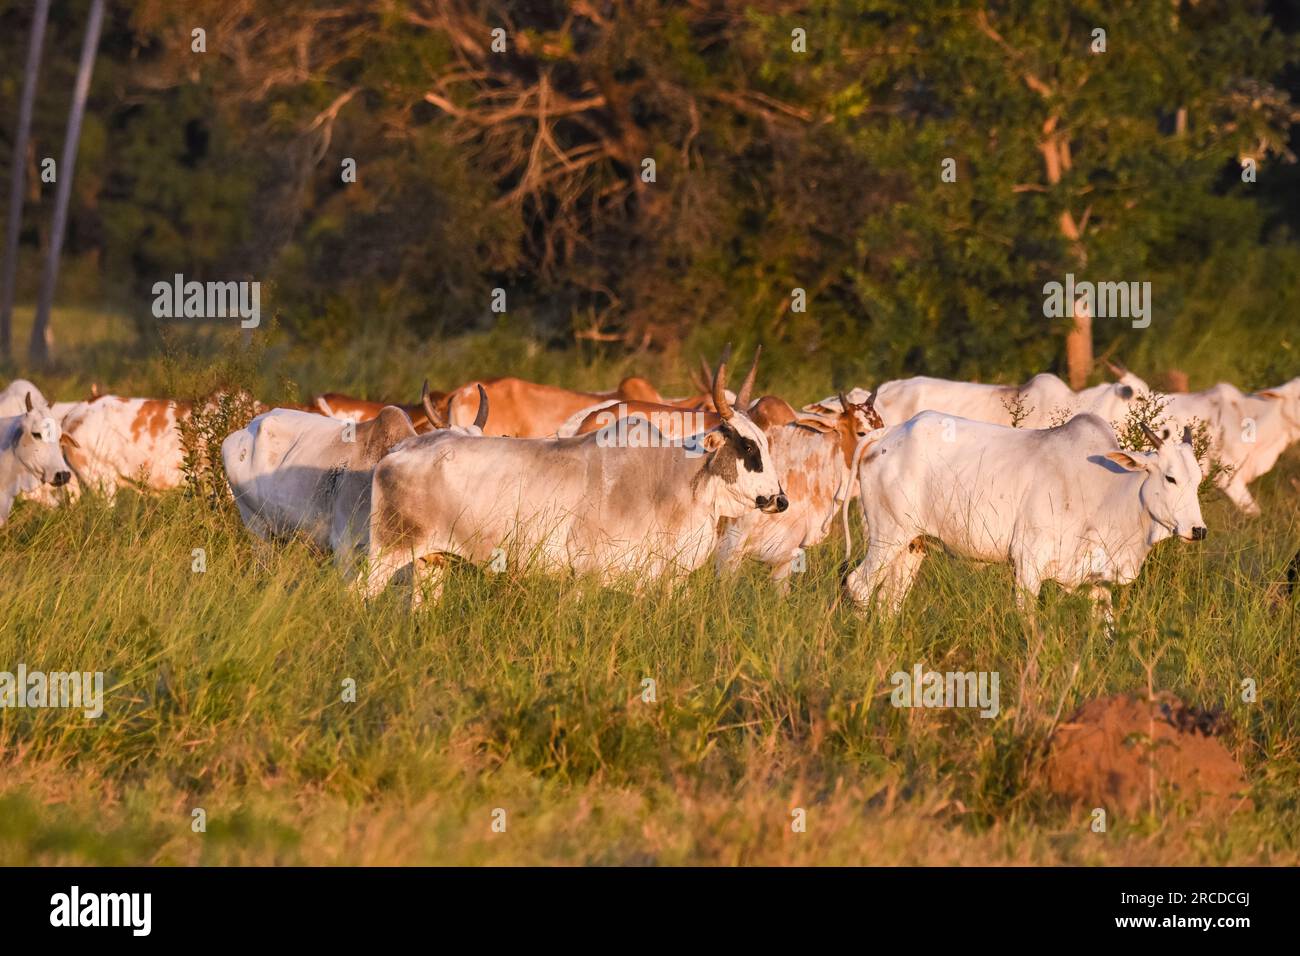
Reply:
x=30, y=452
x=567, y=503
x=1063, y=504
x=1248, y=433
x=297, y=474
x=1045, y=400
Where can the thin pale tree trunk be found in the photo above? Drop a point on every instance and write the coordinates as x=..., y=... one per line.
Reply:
x=9, y=270
x=1055, y=147
x=42, y=341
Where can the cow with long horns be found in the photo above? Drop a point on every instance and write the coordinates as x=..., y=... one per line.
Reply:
x=572, y=504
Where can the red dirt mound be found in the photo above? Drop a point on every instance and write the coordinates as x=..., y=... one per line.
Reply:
x=1115, y=752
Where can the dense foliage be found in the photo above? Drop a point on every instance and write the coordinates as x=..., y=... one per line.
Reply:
x=783, y=160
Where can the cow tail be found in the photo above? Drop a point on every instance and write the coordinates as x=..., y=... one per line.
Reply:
x=846, y=489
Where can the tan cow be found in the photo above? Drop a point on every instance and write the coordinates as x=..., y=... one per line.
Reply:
x=521, y=409
x=348, y=408
x=679, y=419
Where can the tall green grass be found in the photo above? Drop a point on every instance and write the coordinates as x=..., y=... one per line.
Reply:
x=525, y=693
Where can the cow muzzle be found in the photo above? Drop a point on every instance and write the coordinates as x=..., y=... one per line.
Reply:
x=61, y=478
x=772, y=504
x=1200, y=533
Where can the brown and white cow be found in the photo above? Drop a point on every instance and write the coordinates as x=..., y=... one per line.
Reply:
x=126, y=441
x=815, y=460
x=132, y=441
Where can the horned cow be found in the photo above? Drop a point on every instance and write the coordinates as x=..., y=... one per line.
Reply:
x=30, y=452
x=815, y=460
x=567, y=503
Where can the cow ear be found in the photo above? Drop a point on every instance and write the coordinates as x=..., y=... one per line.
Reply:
x=66, y=439
x=1129, y=462
x=814, y=424
x=713, y=440
x=394, y=424
x=1269, y=393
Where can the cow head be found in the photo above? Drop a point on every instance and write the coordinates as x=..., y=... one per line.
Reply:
x=738, y=455
x=441, y=422
x=1173, y=478
x=1126, y=386
x=38, y=444
x=1112, y=400
x=1288, y=397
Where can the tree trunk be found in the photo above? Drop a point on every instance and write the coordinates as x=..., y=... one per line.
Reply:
x=1055, y=148
x=42, y=341
x=9, y=269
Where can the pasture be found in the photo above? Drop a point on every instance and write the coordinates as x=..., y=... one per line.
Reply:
x=224, y=687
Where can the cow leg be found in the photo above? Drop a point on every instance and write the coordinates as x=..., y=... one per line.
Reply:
x=1240, y=496
x=382, y=568
x=1103, y=607
x=882, y=551
x=730, y=551
x=428, y=575
x=900, y=575
x=1028, y=584
x=781, y=577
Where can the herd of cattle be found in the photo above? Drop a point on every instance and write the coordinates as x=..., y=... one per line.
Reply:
x=635, y=487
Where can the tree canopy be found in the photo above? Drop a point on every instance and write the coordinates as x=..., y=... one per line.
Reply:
x=630, y=170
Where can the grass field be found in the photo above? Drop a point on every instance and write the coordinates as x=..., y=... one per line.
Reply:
x=524, y=693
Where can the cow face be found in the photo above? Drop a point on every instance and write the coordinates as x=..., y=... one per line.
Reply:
x=37, y=445
x=740, y=457
x=1169, y=492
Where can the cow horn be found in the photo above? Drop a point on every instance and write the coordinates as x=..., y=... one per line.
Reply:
x=845, y=404
x=1116, y=368
x=725, y=411
x=704, y=375
x=94, y=390
x=29, y=401
x=870, y=406
x=431, y=413
x=1187, y=434
x=747, y=386
x=481, y=418
x=1152, y=437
